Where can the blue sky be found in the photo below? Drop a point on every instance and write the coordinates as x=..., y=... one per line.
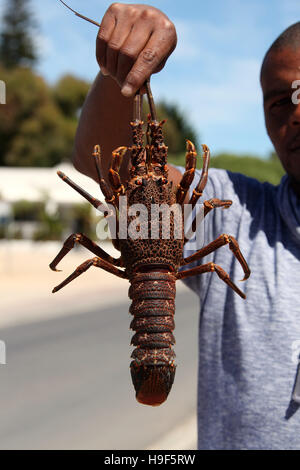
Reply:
x=213, y=75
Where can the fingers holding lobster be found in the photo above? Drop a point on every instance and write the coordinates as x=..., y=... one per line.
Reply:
x=133, y=42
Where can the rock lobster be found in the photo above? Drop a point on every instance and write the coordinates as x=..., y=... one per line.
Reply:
x=150, y=263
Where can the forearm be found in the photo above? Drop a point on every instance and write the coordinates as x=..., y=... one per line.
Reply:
x=105, y=120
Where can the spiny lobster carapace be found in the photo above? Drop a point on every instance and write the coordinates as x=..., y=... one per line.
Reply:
x=151, y=264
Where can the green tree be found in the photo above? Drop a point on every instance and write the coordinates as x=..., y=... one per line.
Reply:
x=263, y=170
x=250, y=165
x=69, y=94
x=16, y=43
x=38, y=122
x=35, y=130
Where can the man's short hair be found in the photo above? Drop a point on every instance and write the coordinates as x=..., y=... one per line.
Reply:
x=289, y=38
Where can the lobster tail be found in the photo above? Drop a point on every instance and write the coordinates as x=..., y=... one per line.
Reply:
x=153, y=307
x=152, y=383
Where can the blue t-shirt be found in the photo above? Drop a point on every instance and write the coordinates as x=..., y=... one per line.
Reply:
x=248, y=349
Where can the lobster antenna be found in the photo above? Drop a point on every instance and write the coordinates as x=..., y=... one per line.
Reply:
x=97, y=154
x=150, y=100
x=137, y=106
x=80, y=16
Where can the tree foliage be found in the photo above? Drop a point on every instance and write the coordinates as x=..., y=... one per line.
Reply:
x=69, y=93
x=269, y=169
x=263, y=170
x=38, y=123
x=16, y=42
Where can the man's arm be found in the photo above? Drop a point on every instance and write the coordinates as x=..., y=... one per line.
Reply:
x=105, y=120
x=133, y=42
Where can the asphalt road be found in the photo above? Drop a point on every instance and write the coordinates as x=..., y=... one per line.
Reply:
x=67, y=385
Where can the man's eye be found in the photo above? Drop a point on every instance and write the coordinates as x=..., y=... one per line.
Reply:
x=281, y=102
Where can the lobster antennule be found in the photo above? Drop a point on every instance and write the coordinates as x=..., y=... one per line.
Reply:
x=152, y=159
x=137, y=106
x=157, y=151
x=138, y=157
x=151, y=102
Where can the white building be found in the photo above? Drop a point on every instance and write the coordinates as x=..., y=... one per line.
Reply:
x=40, y=184
x=36, y=184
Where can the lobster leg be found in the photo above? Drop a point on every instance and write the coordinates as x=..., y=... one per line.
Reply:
x=188, y=176
x=99, y=263
x=211, y=204
x=108, y=214
x=113, y=173
x=222, y=240
x=209, y=267
x=117, y=187
x=109, y=195
x=198, y=191
x=87, y=243
x=106, y=190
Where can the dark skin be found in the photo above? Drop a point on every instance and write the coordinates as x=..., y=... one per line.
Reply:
x=282, y=116
x=135, y=41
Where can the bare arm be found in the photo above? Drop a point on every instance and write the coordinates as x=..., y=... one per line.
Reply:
x=105, y=120
x=133, y=42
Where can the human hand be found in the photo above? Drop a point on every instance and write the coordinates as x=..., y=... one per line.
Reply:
x=133, y=42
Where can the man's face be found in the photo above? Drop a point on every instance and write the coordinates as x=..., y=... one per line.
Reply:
x=282, y=116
